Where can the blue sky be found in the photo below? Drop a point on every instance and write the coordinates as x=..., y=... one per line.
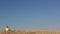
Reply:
x=30, y=14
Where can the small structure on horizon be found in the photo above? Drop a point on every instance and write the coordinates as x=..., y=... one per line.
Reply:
x=7, y=29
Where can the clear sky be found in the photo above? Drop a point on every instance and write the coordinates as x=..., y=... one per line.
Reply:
x=30, y=14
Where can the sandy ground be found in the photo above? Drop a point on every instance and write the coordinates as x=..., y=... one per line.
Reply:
x=29, y=32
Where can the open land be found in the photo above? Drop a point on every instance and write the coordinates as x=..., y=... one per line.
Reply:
x=29, y=32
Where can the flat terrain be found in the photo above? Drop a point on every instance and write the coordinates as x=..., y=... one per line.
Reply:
x=29, y=32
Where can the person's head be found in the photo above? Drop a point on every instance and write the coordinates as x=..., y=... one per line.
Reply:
x=7, y=26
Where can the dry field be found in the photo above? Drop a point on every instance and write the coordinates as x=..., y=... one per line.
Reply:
x=29, y=32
